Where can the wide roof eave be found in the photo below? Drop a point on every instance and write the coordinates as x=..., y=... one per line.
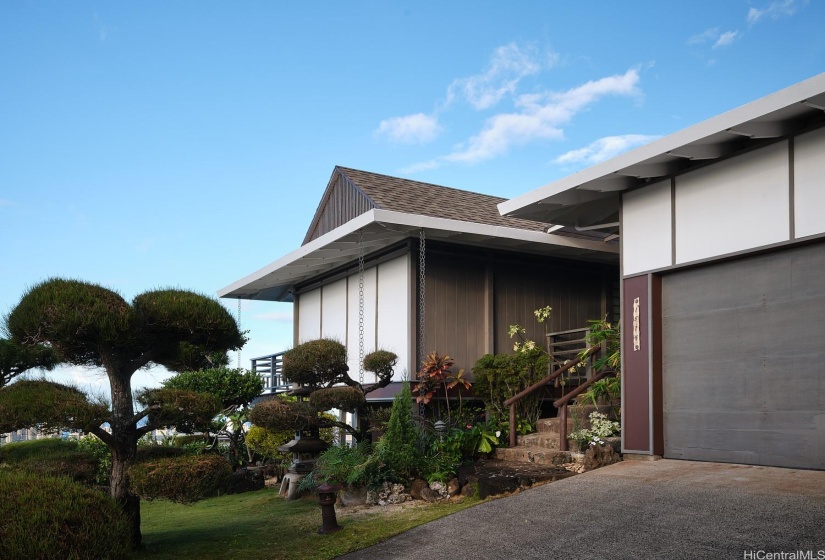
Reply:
x=598, y=187
x=377, y=229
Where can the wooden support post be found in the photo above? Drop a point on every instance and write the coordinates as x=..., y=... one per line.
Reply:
x=513, y=439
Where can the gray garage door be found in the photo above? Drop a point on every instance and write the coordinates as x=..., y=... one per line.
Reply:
x=744, y=360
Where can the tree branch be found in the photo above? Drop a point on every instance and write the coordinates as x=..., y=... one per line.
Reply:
x=324, y=423
x=104, y=436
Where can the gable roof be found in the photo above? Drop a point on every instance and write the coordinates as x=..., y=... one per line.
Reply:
x=371, y=212
x=383, y=192
x=592, y=195
x=352, y=192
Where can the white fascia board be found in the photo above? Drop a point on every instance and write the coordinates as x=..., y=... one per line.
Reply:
x=796, y=93
x=313, y=253
x=418, y=221
x=348, y=228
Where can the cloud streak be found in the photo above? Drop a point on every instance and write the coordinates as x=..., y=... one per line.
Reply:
x=715, y=37
x=411, y=129
x=539, y=116
x=726, y=39
x=604, y=149
x=509, y=64
x=775, y=10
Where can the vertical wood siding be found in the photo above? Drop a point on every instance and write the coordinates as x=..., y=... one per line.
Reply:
x=458, y=283
x=344, y=203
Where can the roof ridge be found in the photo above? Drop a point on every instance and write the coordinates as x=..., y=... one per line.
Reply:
x=419, y=182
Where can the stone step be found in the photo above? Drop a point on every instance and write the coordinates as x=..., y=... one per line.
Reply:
x=578, y=417
x=533, y=454
x=547, y=440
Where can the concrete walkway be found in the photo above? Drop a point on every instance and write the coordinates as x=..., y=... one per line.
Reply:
x=634, y=509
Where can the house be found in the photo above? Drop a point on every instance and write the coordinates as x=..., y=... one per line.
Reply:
x=723, y=280
x=476, y=271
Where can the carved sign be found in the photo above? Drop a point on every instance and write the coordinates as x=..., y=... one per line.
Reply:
x=637, y=339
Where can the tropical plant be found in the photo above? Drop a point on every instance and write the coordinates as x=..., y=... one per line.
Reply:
x=608, y=389
x=436, y=373
x=501, y=376
x=89, y=325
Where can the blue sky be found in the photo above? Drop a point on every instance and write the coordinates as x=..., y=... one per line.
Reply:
x=187, y=144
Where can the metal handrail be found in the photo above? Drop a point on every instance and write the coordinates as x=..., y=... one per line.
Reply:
x=511, y=402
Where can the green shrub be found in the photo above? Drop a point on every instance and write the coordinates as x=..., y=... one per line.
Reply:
x=398, y=449
x=54, y=457
x=501, y=376
x=342, y=398
x=315, y=363
x=155, y=452
x=21, y=450
x=50, y=518
x=279, y=415
x=381, y=363
x=265, y=442
x=184, y=479
x=92, y=444
x=343, y=465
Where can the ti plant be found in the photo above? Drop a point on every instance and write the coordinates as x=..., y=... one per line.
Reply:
x=434, y=373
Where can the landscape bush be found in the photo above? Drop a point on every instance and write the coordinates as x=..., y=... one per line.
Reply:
x=53, y=518
x=53, y=457
x=183, y=479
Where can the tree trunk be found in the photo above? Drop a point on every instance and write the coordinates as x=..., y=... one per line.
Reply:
x=124, y=431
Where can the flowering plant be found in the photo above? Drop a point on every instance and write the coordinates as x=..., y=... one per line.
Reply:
x=600, y=428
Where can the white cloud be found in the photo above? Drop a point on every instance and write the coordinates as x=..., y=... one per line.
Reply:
x=726, y=39
x=540, y=116
x=508, y=65
x=412, y=129
x=706, y=36
x=714, y=36
x=604, y=149
x=277, y=316
x=775, y=10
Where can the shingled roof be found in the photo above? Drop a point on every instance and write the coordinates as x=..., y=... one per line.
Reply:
x=351, y=192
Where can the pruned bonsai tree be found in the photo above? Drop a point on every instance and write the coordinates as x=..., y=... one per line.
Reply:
x=16, y=359
x=319, y=368
x=236, y=389
x=88, y=325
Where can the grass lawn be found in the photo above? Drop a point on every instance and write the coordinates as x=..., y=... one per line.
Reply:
x=264, y=525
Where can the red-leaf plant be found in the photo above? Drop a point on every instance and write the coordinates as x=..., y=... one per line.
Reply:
x=435, y=371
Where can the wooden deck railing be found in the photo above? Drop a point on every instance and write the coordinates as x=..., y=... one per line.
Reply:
x=561, y=404
x=511, y=402
x=269, y=368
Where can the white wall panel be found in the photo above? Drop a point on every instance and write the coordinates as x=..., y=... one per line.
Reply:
x=369, y=319
x=809, y=183
x=734, y=205
x=309, y=316
x=334, y=311
x=393, y=311
x=646, y=229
